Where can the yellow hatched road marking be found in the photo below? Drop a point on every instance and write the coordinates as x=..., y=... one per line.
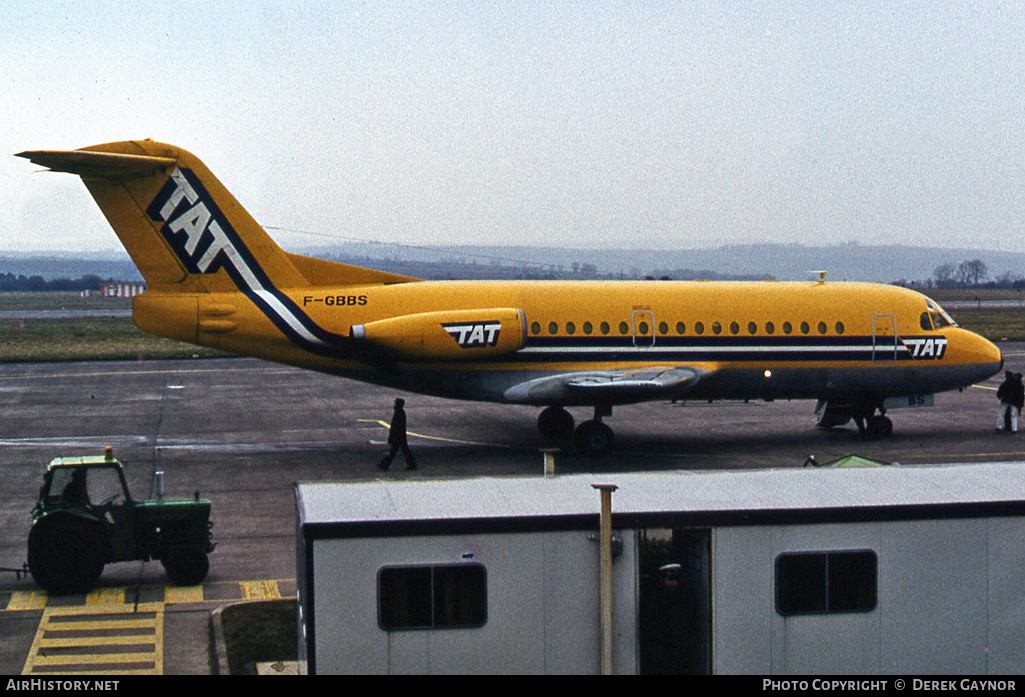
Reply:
x=55, y=648
x=102, y=600
x=260, y=590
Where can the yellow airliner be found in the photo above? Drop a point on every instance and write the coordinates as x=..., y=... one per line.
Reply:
x=215, y=278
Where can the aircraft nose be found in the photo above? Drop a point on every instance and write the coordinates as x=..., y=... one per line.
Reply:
x=986, y=354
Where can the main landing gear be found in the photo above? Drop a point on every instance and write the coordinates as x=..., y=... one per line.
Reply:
x=870, y=424
x=593, y=437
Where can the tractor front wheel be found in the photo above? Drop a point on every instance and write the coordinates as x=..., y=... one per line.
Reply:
x=186, y=566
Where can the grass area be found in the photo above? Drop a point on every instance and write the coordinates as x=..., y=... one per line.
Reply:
x=942, y=295
x=102, y=338
x=259, y=632
x=60, y=301
x=996, y=324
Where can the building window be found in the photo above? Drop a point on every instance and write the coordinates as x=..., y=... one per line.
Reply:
x=826, y=582
x=432, y=597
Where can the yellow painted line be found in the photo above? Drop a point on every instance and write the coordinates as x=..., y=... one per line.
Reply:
x=442, y=439
x=94, y=659
x=177, y=595
x=97, y=625
x=260, y=590
x=27, y=600
x=75, y=642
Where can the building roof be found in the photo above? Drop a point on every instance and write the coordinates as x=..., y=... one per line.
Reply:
x=798, y=495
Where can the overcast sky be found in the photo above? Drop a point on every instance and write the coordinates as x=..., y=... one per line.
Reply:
x=598, y=124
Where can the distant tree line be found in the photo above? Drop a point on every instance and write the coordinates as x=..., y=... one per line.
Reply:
x=971, y=273
x=20, y=283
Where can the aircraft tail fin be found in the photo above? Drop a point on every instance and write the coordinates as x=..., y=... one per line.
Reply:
x=182, y=227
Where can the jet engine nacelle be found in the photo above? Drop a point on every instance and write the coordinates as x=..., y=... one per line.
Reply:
x=447, y=336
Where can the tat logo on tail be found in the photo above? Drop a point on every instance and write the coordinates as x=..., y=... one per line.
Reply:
x=194, y=226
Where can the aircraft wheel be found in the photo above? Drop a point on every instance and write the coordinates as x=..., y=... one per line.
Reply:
x=880, y=427
x=66, y=553
x=593, y=438
x=555, y=424
x=187, y=566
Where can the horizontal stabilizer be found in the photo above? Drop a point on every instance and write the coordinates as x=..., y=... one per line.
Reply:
x=605, y=386
x=98, y=165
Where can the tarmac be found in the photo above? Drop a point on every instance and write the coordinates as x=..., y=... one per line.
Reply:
x=242, y=432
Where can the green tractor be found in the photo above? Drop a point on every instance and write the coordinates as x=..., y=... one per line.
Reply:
x=86, y=518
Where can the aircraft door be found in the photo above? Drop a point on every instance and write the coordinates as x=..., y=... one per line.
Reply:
x=884, y=338
x=643, y=328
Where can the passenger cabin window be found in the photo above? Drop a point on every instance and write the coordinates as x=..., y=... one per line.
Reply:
x=432, y=597
x=826, y=582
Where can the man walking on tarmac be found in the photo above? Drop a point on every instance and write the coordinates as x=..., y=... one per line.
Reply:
x=1012, y=399
x=397, y=438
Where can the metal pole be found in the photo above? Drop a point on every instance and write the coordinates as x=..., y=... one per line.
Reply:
x=606, y=576
x=549, y=460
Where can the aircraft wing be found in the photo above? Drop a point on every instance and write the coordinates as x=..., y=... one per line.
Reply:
x=606, y=386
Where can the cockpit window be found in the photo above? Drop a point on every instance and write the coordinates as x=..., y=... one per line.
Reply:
x=939, y=317
x=925, y=322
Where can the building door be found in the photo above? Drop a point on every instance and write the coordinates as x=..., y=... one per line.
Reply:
x=675, y=632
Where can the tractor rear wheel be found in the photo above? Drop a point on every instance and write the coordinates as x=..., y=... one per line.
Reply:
x=66, y=553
